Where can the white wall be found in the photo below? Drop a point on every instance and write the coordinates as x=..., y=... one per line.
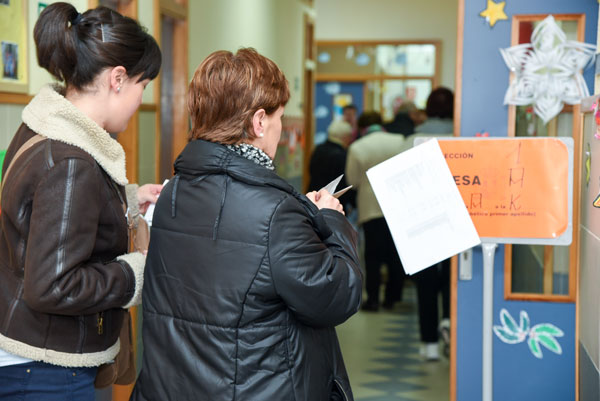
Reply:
x=272, y=27
x=146, y=19
x=229, y=25
x=289, y=48
x=392, y=20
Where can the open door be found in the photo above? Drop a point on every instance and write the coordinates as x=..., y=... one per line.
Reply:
x=172, y=116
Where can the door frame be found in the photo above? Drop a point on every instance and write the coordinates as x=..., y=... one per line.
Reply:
x=308, y=103
x=178, y=10
x=460, y=33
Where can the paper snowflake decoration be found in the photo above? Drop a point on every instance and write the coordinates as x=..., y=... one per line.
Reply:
x=547, y=70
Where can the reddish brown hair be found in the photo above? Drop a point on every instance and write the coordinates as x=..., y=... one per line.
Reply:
x=228, y=89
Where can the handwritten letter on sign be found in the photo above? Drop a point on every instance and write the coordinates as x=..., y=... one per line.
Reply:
x=512, y=188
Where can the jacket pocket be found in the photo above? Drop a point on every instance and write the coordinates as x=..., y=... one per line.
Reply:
x=11, y=308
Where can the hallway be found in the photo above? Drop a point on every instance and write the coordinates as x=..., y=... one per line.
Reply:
x=381, y=351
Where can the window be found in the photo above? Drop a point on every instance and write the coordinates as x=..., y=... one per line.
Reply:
x=389, y=71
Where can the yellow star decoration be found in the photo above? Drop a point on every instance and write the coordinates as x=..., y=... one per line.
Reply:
x=494, y=12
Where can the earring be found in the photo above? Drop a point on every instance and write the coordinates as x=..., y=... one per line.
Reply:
x=261, y=134
x=119, y=89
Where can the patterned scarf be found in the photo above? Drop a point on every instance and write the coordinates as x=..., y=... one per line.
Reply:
x=252, y=153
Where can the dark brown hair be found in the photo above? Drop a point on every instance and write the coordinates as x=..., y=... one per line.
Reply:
x=228, y=89
x=440, y=103
x=75, y=47
x=368, y=118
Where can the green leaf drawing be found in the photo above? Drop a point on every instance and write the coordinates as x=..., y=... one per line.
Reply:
x=508, y=321
x=507, y=336
x=534, y=346
x=524, y=323
x=540, y=334
x=550, y=342
x=547, y=328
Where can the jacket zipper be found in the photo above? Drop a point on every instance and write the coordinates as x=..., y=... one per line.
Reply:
x=341, y=388
x=100, y=323
x=12, y=307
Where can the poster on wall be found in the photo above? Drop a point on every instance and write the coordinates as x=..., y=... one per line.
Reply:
x=13, y=46
x=290, y=151
x=517, y=190
x=340, y=100
x=10, y=60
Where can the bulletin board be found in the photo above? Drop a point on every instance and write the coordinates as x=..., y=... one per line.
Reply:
x=290, y=151
x=517, y=190
x=13, y=46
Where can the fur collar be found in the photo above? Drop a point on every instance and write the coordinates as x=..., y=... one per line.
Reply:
x=52, y=116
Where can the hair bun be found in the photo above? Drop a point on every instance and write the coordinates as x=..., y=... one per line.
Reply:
x=76, y=47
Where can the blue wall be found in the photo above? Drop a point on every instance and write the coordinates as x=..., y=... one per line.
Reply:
x=324, y=99
x=518, y=375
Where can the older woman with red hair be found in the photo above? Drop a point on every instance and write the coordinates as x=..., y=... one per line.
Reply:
x=245, y=278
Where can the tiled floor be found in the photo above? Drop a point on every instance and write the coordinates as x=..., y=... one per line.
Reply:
x=381, y=351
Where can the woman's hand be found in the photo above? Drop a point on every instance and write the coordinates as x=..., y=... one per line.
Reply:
x=147, y=194
x=324, y=200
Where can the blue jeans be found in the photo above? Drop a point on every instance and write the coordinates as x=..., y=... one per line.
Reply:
x=38, y=381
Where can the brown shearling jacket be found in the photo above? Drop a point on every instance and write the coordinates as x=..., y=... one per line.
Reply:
x=65, y=275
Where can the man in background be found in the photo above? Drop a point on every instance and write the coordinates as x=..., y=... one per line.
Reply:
x=328, y=162
x=372, y=148
x=349, y=114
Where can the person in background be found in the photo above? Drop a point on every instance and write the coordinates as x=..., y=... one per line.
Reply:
x=432, y=282
x=440, y=111
x=246, y=278
x=328, y=161
x=350, y=115
x=403, y=122
x=66, y=277
x=418, y=116
x=435, y=280
x=372, y=148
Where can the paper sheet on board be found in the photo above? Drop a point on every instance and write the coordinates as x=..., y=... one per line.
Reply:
x=422, y=206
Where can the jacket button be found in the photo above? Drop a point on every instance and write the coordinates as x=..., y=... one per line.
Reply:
x=28, y=370
x=74, y=374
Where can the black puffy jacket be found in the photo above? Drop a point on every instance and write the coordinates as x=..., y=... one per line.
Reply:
x=244, y=283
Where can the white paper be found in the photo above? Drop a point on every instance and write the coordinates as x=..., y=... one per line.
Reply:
x=422, y=206
x=150, y=211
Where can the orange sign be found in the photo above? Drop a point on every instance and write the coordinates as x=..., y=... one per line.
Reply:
x=513, y=187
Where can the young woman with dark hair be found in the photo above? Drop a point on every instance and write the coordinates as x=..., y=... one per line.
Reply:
x=246, y=278
x=66, y=277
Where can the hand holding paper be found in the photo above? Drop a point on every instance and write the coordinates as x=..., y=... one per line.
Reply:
x=326, y=198
x=332, y=186
x=150, y=209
